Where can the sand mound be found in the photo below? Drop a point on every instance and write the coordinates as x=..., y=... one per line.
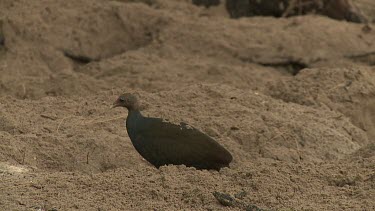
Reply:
x=47, y=56
x=75, y=135
x=292, y=99
x=350, y=91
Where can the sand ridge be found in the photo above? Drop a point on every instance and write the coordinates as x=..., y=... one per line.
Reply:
x=292, y=99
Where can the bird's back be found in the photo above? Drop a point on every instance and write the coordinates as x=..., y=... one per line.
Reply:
x=163, y=143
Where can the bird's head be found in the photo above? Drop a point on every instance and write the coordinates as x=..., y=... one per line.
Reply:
x=126, y=100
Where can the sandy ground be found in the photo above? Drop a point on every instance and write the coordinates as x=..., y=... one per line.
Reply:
x=292, y=99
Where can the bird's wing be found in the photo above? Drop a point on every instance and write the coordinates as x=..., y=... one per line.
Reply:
x=179, y=144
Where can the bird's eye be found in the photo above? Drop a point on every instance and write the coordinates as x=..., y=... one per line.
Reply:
x=122, y=99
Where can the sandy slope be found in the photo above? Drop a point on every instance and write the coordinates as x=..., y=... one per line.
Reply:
x=301, y=139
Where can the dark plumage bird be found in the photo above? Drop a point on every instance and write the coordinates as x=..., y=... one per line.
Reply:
x=162, y=143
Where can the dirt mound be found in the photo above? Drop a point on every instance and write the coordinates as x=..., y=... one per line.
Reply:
x=46, y=52
x=40, y=58
x=75, y=135
x=291, y=99
x=367, y=7
x=264, y=184
x=350, y=91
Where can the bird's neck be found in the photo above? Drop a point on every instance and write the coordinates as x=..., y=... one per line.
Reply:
x=134, y=112
x=134, y=115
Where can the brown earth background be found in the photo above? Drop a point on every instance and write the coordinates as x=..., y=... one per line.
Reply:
x=293, y=100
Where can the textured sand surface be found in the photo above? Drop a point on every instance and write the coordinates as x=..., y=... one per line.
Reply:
x=292, y=99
